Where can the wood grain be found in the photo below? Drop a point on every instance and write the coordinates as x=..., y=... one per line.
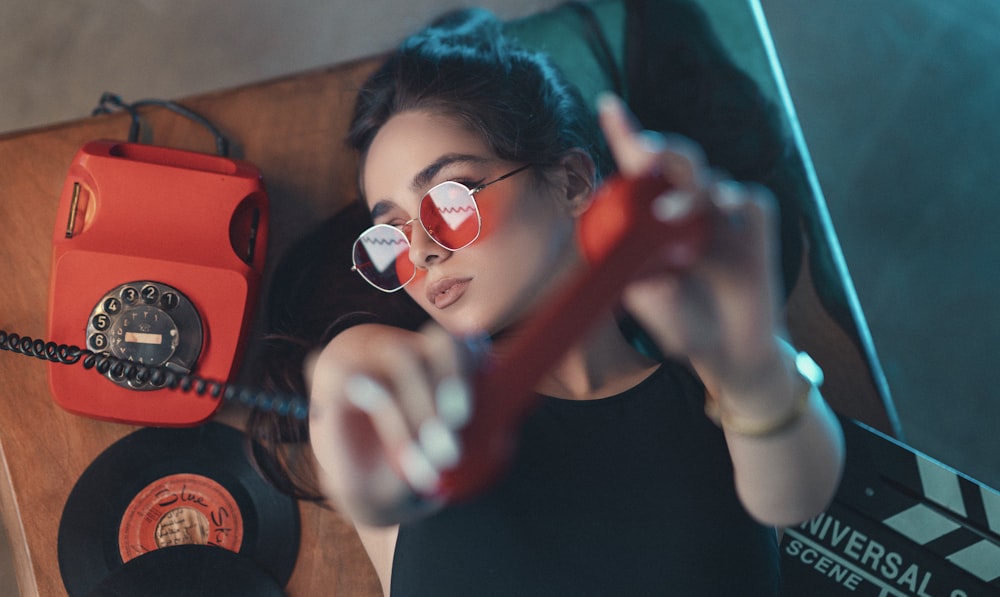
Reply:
x=291, y=128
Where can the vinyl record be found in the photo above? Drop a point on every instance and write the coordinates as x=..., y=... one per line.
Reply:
x=188, y=571
x=157, y=489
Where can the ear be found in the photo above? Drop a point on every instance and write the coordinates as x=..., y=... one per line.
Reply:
x=580, y=180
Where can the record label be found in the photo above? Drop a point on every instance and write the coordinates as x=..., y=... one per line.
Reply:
x=180, y=509
x=173, y=497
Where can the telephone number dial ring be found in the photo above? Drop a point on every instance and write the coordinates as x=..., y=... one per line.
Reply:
x=147, y=323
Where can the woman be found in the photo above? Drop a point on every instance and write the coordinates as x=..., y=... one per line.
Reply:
x=620, y=483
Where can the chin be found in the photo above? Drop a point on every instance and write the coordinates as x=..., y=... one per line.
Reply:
x=460, y=326
x=464, y=322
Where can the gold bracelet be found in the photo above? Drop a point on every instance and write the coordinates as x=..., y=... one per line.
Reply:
x=810, y=377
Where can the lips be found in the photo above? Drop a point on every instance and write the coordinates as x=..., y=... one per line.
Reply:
x=444, y=292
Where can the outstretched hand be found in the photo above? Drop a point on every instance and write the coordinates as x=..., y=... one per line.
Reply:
x=722, y=313
x=387, y=405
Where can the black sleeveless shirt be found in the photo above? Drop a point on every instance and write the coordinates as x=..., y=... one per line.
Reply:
x=627, y=495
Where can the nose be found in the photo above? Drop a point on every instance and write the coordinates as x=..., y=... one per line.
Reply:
x=423, y=249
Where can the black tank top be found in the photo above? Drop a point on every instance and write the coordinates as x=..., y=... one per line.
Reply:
x=628, y=495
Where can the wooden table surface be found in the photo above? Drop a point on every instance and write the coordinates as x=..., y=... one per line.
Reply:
x=292, y=129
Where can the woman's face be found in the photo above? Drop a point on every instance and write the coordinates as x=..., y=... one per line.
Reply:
x=527, y=236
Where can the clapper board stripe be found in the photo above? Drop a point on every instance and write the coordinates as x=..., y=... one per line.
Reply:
x=959, y=518
x=901, y=525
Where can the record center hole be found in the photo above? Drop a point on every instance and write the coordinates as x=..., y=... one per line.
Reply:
x=182, y=526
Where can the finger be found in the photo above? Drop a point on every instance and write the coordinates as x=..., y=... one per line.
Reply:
x=639, y=152
x=408, y=377
x=373, y=398
x=675, y=310
x=418, y=469
x=745, y=226
x=743, y=268
x=458, y=358
x=393, y=430
x=634, y=154
x=416, y=384
x=444, y=402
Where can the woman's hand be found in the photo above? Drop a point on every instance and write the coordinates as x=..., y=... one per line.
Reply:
x=386, y=408
x=723, y=313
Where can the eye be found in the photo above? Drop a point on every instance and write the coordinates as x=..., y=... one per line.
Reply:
x=405, y=226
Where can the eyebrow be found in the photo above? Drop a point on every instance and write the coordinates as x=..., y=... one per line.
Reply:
x=426, y=175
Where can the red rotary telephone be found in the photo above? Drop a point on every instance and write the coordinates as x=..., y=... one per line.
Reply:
x=157, y=257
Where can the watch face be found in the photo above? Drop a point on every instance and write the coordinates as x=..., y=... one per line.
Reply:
x=148, y=324
x=809, y=369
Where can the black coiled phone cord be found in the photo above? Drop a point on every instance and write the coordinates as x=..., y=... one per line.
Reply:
x=103, y=363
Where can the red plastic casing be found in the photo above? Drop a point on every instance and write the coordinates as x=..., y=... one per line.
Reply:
x=177, y=217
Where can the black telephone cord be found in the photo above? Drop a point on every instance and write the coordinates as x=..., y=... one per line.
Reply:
x=110, y=102
x=103, y=363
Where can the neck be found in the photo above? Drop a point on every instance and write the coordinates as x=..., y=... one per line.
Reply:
x=603, y=365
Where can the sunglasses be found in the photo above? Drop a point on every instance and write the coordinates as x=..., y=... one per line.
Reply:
x=449, y=215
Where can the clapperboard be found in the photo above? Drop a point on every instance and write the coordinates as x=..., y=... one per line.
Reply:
x=901, y=525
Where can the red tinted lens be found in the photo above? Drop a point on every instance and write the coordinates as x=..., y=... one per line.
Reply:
x=449, y=214
x=382, y=256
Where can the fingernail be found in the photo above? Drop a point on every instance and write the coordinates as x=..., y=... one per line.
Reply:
x=439, y=443
x=607, y=101
x=673, y=205
x=418, y=470
x=652, y=141
x=730, y=198
x=365, y=393
x=727, y=194
x=454, y=402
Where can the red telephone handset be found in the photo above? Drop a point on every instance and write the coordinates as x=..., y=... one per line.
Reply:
x=617, y=235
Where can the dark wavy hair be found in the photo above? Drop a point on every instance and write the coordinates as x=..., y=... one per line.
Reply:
x=461, y=66
x=464, y=67
x=313, y=296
